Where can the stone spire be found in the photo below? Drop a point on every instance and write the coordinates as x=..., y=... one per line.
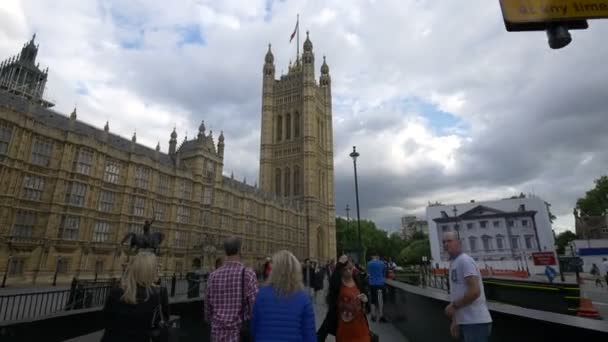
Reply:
x=158, y=147
x=324, y=67
x=134, y=138
x=307, y=56
x=201, y=131
x=73, y=115
x=173, y=142
x=269, y=63
x=106, y=128
x=220, y=145
x=325, y=78
x=307, y=44
x=269, y=58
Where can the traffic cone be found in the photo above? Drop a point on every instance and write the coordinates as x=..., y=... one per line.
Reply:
x=586, y=309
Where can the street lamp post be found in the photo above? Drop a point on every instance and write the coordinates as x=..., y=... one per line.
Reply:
x=8, y=263
x=56, y=271
x=354, y=154
x=347, y=225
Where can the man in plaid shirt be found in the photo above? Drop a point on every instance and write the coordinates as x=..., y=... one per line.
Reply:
x=223, y=295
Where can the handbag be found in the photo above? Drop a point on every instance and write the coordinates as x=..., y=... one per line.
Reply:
x=164, y=329
x=245, y=331
x=159, y=330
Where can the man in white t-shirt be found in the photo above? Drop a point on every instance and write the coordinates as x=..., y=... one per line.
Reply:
x=470, y=316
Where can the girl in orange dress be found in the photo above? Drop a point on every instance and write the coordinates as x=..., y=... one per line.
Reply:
x=352, y=323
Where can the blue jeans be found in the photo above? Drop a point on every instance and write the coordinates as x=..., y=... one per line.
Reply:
x=475, y=332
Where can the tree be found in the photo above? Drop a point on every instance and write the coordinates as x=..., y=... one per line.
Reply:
x=418, y=235
x=562, y=240
x=595, y=201
x=372, y=239
x=413, y=253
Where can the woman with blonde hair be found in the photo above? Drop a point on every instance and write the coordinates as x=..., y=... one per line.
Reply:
x=283, y=310
x=132, y=309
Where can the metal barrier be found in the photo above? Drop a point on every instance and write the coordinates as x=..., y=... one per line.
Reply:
x=84, y=294
x=22, y=306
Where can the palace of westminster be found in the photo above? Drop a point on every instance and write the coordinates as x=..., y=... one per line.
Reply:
x=70, y=192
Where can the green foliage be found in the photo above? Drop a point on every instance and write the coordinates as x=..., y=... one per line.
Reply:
x=373, y=239
x=418, y=235
x=595, y=201
x=413, y=253
x=562, y=240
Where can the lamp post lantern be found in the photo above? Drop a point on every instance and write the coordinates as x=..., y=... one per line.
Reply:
x=354, y=154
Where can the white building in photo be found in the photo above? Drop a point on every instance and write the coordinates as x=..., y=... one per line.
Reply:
x=498, y=234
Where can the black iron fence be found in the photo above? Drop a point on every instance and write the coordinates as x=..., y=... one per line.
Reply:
x=14, y=307
x=423, y=277
x=84, y=294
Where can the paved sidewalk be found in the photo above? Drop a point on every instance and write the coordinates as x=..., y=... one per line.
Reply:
x=386, y=331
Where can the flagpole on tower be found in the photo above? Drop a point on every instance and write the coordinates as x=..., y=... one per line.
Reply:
x=298, y=40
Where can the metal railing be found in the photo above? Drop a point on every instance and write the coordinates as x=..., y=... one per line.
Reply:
x=423, y=277
x=85, y=294
x=21, y=306
x=435, y=281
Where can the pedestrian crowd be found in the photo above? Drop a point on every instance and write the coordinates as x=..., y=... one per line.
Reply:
x=282, y=308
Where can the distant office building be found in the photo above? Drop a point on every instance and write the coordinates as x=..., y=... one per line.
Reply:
x=500, y=233
x=411, y=225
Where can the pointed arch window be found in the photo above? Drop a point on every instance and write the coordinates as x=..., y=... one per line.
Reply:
x=288, y=126
x=297, y=183
x=287, y=182
x=296, y=126
x=277, y=181
x=279, y=128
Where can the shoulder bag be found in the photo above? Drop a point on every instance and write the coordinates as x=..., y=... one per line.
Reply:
x=159, y=331
x=245, y=331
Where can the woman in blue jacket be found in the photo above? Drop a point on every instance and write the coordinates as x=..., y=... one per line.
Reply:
x=283, y=310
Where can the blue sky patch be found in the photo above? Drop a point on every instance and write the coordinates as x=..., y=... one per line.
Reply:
x=191, y=34
x=441, y=122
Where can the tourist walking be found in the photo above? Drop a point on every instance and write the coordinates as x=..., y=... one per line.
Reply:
x=471, y=320
x=308, y=275
x=283, y=310
x=376, y=271
x=134, y=309
x=350, y=300
x=226, y=286
x=595, y=272
x=330, y=323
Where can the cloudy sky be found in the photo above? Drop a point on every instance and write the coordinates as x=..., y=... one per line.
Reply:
x=442, y=103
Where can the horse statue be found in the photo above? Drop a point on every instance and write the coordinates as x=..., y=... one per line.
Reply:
x=146, y=241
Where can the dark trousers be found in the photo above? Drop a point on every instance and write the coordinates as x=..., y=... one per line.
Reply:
x=323, y=331
x=328, y=326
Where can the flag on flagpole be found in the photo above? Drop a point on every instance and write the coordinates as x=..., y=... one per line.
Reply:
x=295, y=30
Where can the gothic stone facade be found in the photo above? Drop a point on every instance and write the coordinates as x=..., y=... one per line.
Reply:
x=296, y=152
x=69, y=193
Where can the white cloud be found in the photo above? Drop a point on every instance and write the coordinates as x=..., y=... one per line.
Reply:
x=533, y=117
